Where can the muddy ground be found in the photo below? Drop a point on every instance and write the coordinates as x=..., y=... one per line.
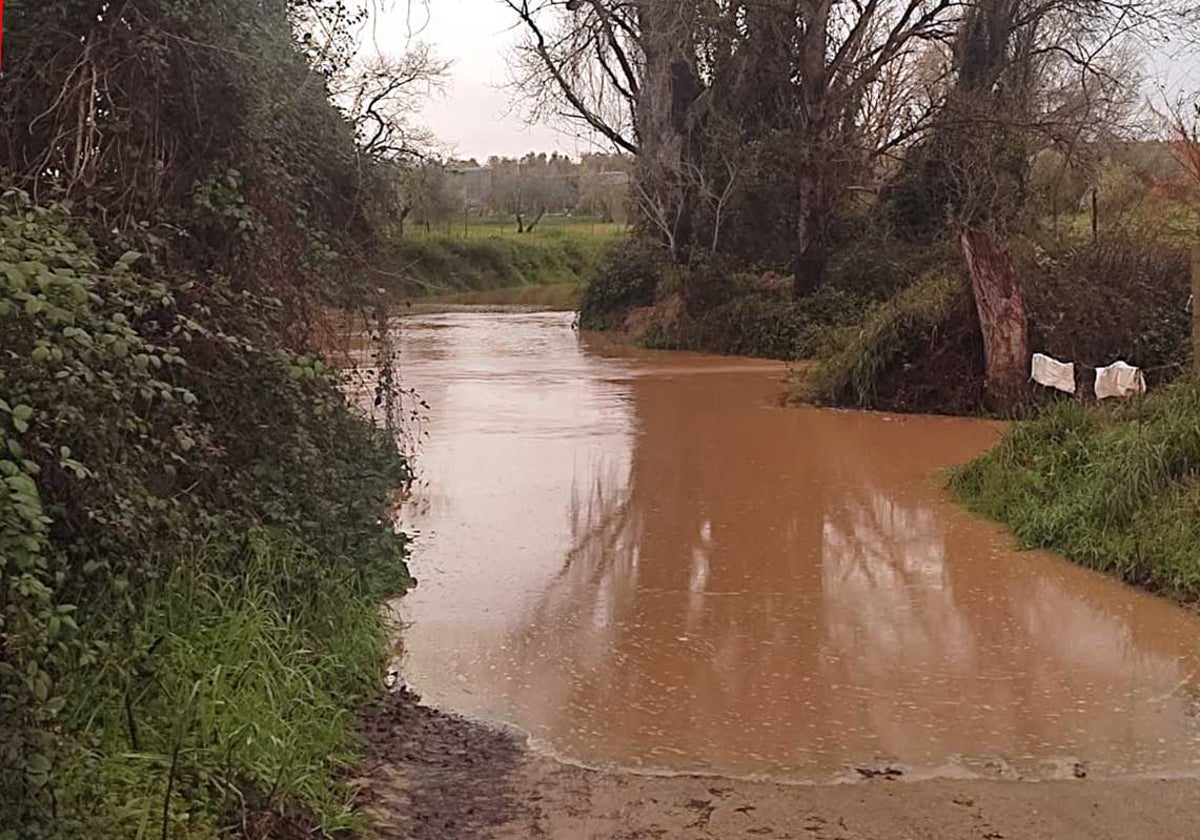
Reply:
x=432, y=775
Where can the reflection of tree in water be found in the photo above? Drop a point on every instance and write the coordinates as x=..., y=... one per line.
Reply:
x=678, y=578
x=764, y=585
x=955, y=633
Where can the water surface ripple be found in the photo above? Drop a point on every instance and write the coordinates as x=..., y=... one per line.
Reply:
x=642, y=561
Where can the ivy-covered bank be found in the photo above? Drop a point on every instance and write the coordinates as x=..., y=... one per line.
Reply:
x=194, y=528
x=193, y=548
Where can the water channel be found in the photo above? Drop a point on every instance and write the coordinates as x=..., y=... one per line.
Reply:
x=643, y=561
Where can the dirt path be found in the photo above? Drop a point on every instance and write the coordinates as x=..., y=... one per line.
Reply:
x=431, y=775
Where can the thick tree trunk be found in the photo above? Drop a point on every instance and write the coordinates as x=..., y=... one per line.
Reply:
x=811, y=250
x=1196, y=311
x=1001, y=307
x=669, y=87
x=813, y=191
x=813, y=176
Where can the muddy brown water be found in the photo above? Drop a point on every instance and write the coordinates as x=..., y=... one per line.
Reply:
x=643, y=562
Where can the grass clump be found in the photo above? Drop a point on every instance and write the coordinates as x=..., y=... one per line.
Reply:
x=239, y=699
x=1114, y=487
x=868, y=364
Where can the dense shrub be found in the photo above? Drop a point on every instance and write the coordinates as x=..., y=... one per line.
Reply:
x=1124, y=297
x=629, y=277
x=918, y=351
x=190, y=525
x=1121, y=298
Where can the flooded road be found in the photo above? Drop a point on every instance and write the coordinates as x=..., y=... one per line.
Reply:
x=641, y=561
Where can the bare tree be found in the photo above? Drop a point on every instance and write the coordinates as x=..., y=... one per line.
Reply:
x=382, y=96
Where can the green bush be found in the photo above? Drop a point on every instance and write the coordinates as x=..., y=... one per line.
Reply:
x=1113, y=487
x=629, y=278
x=172, y=478
x=1124, y=297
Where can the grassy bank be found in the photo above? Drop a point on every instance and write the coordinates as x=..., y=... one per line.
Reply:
x=561, y=297
x=919, y=349
x=193, y=547
x=1113, y=487
x=494, y=256
x=894, y=325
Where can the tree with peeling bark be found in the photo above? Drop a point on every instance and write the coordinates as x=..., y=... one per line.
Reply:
x=1024, y=71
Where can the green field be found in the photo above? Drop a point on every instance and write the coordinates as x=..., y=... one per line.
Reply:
x=549, y=228
x=492, y=255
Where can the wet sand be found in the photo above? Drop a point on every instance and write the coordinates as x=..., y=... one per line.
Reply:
x=433, y=776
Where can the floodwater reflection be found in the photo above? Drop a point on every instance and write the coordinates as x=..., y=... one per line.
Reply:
x=641, y=561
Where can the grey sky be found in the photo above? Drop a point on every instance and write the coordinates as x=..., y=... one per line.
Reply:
x=475, y=116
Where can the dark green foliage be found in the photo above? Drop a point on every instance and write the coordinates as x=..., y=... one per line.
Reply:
x=750, y=313
x=196, y=124
x=1113, y=487
x=1124, y=297
x=154, y=432
x=193, y=539
x=920, y=350
x=629, y=278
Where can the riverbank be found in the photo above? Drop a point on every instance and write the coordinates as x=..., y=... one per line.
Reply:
x=421, y=265
x=550, y=297
x=192, y=547
x=894, y=327
x=431, y=775
x=1111, y=486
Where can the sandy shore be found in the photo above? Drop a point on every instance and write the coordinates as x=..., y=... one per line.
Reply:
x=432, y=775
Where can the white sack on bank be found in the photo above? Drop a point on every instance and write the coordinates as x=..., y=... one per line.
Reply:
x=1119, y=380
x=1053, y=373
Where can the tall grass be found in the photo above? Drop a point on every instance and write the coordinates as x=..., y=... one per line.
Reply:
x=1115, y=487
x=242, y=699
x=856, y=365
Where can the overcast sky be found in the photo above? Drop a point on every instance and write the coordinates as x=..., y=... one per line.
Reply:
x=475, y=115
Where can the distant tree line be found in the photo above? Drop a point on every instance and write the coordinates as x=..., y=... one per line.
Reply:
x=521, y=190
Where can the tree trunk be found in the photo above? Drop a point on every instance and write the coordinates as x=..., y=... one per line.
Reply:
x=529, y=228
x=1196, y=310
x=811, y=251
x=1001, y=307
x=812, y=184
x=669, y=88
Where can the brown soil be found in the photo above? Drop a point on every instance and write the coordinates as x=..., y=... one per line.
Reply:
x=431, y=775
